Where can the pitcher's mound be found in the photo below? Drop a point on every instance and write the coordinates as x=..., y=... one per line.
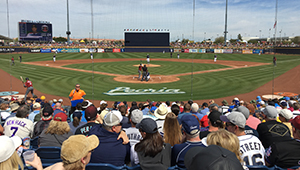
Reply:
x=155, y=79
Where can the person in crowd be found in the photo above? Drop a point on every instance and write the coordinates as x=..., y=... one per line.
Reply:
x=132, y=132
x=57, y=109
x=252, y=121
x=285, y=116
x=9, y=158
x=226, y=140
x=14, y=108
x=286, y=154
x=46, y=117
x=211, y=157
x=250, y=145
x=186, y=111
x=75, y=154
x=214, y=123
x=151, y=151
x=172, y=130
x=77, y=116
x=160, y=113
x=76, y=96
x=224, y=107
x=57, y=132
x=124, y=113
x=4, y=111
x=111, y=150
x=205, y=111
x=190, y=130
x=91, y=116
x=19, y=125
x=175, y=109
x=194, y=110
x=272, y=130
x=36, y=110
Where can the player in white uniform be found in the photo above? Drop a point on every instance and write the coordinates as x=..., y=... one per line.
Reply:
x=19, y=125
x=251, y=147
x=148, y=58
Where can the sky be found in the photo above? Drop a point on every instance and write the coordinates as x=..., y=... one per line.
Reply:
x=250, y=18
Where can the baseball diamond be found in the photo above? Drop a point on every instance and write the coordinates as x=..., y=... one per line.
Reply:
x=231, y=75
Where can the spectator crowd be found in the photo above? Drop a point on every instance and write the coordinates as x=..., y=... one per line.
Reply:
x=153, y=134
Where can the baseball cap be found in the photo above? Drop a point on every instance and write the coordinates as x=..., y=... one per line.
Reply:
x=190, y=124
x=86, y=104
x=90, y=113
x=161, y=112
x=38, y=100
x=270, y=112
x=136, y=116
x=284, y=104
x=225, y=102
x=243, y=110
x=214, y=116
x=47, y=111
x=236, y=118
x=54, y=100
x=43, y=97
x=113, y=118
x=153, y=108
x=8, y=146
x=211, y=158
x=14, y=107
x=195, y=107
x=60, y=100
x=103, y=102
x=286, y=113
x=60, y=117
x=77, y=114
x=77, y=147
x=296, y=122
x=36, y=105
x=147, y=125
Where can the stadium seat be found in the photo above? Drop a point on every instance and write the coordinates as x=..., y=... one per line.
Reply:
x=260, y=168
x=291, y=168
x=34, y=143
x=137, y=167
x=103, y=166
x=49, y=155
x=176, y=168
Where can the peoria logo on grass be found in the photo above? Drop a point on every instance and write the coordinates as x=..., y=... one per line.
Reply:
x=119, y=91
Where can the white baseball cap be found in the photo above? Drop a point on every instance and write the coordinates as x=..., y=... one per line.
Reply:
x=8, y=146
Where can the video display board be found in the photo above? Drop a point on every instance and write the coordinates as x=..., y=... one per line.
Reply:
x=147, y=39
x=35, y=31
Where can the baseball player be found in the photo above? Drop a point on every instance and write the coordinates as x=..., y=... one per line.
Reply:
x=148, y=58
x=54, y=58
x=12, y=61
x=178, y=55
x=215, y=58
x=274, y=61
x=92, y=57
x=20, y=57
x=140, y=70
x=28, y=85
x=145, y=70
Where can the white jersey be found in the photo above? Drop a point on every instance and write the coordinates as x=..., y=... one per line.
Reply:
x=133, y=135
x=21, y=127
x=252, y=150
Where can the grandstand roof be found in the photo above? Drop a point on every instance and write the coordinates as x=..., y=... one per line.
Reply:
x=4, y=38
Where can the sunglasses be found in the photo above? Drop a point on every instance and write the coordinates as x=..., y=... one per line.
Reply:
x=229, y=124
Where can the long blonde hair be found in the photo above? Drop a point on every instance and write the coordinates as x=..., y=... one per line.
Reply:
x=172, y=130
x=57, y=127
x=226, y=140
x=12, y=163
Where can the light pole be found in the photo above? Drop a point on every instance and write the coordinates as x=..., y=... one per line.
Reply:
x=259, y=33
x=68, y=24
x=280, y=36
x=225, y=32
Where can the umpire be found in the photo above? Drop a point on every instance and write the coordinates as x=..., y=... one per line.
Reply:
x=145, y=70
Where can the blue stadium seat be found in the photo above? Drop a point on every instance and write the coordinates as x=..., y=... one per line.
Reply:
x=49, y=155
x=137, y=167
x=103, y=166
x=34, y=143
x=176, y=168
x=260, y=168
x=291, y=168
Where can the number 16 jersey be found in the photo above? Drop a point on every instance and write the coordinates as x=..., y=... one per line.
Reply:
x=21, y=127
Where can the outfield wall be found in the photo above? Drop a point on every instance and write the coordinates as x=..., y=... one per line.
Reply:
x=118, y=50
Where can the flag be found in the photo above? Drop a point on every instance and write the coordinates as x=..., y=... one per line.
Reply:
x=275, y=24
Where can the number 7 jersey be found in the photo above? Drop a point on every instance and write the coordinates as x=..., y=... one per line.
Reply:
x=21, y=127
x=252, y=151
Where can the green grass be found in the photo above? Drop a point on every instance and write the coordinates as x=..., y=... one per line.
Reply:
x=128, y=68
x=205, y=86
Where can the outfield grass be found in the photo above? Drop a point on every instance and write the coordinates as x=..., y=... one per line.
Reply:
x=205, y=86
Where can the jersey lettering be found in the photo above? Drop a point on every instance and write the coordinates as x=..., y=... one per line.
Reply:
x=16, y=122
x=256, y=160
x=250, y=146
x=15, y=129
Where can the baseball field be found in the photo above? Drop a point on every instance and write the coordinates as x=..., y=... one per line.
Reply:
x=114, y=76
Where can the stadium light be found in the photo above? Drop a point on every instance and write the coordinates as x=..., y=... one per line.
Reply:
x=225, y=32
x=68, y=24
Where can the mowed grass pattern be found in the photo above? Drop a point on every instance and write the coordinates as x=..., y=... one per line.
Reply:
x=129, y=68
x=205, y=86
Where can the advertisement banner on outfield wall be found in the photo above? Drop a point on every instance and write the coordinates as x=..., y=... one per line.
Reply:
x=202, y=51
x=237, y=51
x=177, y=50
x=218, y=51
x=92, y=50
x=116, y=50
x=193, y=51
x=247, y=51
x=186, y=50
x=100, y=50
x=43, y=50
x=257, y=51
x=35, y=50
x=6, y=50
x=122, y=50
x=209, y=50
x=84, y=50
x=56, y=50
x=227, y=51
x=108, y=50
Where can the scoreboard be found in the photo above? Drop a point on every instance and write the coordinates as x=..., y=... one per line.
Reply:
x=147, y=39
x=35, y=31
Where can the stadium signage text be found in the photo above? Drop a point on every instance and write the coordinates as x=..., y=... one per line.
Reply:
x=119, y=91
